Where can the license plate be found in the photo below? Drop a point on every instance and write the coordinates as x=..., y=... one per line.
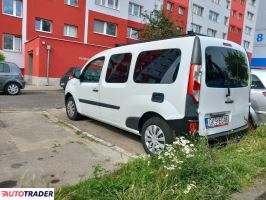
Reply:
x=62, y=84
x=217, y=121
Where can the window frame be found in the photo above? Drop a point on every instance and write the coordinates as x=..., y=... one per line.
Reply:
x=14, y=43
x=213, y=16
x=196, y=8
x=67, y=29
x=14, y=9
x=41, y=25
x=106, y=81
x=131, y=12
x=105, y=28
x=69, y=3
x=9, y=68
x=212, y=31
x=197, y=26
x=130, y=33
x=169, y=5
x=106, y=5
x=83, y=71
x=182, y=9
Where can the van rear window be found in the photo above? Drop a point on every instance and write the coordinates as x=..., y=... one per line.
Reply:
x=157, y=66
x=226, y=68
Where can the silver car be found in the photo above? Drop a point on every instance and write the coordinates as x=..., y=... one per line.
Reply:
x=258, y=96
x=11, y=78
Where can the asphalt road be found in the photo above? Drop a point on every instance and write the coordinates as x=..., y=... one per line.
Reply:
x=32, y=100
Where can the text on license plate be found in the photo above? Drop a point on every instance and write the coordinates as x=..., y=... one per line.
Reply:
x=217, y=121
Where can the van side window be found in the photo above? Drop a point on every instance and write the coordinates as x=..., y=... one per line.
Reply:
x=158, y=66
x=4, y=68
x=92, y=72
x=118, y=68
x=256, y=82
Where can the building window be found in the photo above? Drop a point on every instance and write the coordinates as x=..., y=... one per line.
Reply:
x=179, y=29
x=240, y=16
x=12, y=42
x=232, y=29
x=135, y=9
x=248, y=30
x=216, y=1
x=228, y=3
x=213, y=16
x=196, y=28
x=105, y=28
x=71, y=2
x=108, y=3
x=225, y=21
x=242, y=2
x=169, y=6
x=181, y=10
x=211, y=32
x=132, y=33
x=12, y=7
x=43, y=25
x=224, y=36
x=253, y=2
x=118, y=68
x=198, y=10
x=250, y=16
x=238, y=30
x=234, y=13
x=70, y=31
x=246, y=44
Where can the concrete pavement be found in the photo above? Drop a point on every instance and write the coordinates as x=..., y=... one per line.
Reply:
x=35, y=152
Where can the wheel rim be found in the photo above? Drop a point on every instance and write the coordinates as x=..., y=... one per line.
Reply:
x=12, y=89
x=154, y=139
x=71, y=108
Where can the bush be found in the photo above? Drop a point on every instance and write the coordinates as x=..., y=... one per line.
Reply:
x=2, y=57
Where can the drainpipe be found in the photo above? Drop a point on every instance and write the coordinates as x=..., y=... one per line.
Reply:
x=48, y=63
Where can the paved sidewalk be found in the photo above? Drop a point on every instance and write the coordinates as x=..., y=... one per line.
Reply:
x=36, y=152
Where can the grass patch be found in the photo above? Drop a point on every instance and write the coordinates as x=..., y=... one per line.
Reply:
x=210, y=173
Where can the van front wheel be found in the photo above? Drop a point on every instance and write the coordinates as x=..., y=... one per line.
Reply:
x=155, y=134
x=71, y=109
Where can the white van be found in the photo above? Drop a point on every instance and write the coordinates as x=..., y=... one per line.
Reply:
x=160, y=89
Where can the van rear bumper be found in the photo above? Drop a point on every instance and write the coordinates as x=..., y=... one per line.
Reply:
x=225, y=133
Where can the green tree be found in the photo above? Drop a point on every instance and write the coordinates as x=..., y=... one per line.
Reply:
x=157, y=26
x=2, y=57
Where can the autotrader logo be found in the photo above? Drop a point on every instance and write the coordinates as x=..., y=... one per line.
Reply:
x=26, y=193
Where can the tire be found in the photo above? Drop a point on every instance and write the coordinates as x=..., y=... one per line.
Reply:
x=12, y=88
x=71, y=109
x=155, y=134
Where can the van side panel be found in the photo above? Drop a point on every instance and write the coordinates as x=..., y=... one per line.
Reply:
x=135, y=99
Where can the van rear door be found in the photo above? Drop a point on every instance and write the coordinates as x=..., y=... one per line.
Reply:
x=224, y=93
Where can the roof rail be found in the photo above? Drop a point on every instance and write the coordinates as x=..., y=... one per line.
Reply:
x=189, y=34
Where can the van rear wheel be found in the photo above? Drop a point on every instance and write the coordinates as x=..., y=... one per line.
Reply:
x=155, y=134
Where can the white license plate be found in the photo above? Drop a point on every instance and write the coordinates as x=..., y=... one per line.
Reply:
x=217, y=121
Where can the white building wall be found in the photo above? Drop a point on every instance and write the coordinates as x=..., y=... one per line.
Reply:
x=259, y=50
x=122, y=12
x=14, y=57
x=250, y=23
x=204, y=20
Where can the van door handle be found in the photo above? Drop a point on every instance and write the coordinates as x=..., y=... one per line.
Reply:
x=95, y=90
x=229, y=101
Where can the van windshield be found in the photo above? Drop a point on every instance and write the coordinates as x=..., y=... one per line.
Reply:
x=226, y=68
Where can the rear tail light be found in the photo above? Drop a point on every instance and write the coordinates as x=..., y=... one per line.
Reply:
x=194, y=82
x=71, y=77
x=264, y=93
x=193, y=127
x=21, y=75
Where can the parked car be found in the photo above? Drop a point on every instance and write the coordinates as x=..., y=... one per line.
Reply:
x=11, y=78
x=64, y=80
x=258, y=96
x=160, y=89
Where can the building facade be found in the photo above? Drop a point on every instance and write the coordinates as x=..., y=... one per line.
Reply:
x=46, y=38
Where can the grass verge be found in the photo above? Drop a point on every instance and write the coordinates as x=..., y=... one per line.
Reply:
x=204, y=173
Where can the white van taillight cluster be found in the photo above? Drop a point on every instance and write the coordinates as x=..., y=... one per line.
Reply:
x=194, y=82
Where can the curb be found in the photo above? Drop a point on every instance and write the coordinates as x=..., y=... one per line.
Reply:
x=90, y=136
